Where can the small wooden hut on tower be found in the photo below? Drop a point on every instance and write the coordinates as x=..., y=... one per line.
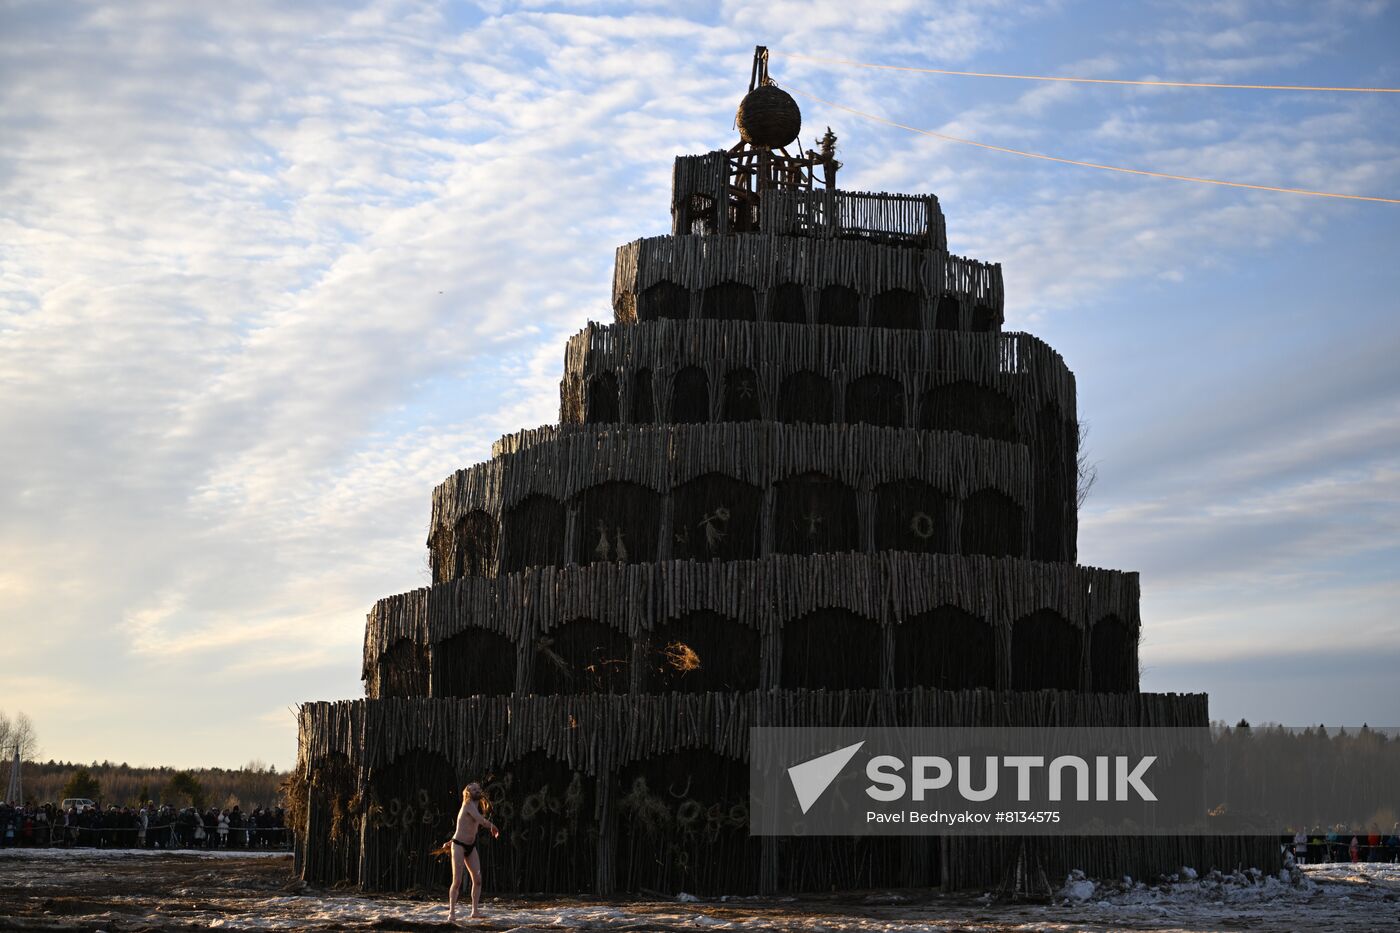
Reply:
x=804, y=478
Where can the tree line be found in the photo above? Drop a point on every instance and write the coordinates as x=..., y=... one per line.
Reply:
x=255, y=784
x=1305, y=778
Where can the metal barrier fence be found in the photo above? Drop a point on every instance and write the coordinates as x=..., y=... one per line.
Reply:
x=44, y=834
x=1341, y=850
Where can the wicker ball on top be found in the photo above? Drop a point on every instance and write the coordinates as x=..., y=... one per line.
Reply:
x=768, y=117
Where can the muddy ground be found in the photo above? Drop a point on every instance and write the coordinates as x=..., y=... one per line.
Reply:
x=161, y=892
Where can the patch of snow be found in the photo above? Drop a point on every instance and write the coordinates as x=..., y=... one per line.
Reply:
x=1077, y=888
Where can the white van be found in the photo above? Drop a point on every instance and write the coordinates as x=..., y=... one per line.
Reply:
x=82, y=803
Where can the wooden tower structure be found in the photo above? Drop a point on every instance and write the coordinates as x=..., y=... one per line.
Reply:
x=803, y=478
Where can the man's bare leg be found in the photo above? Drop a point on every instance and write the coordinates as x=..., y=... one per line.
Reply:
x=474, y=869
x=452, y=892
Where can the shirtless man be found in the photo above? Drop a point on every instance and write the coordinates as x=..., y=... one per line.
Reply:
x=470, y=820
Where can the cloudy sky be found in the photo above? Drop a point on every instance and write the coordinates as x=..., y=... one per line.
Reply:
x=270, y=271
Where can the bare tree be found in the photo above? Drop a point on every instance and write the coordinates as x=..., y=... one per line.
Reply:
x=18, y=732
x=1087, y=473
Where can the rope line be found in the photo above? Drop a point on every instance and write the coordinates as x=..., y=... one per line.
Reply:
x=1098, y=165
x=989, y=74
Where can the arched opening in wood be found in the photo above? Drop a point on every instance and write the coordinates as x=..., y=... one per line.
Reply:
x=895, y=307
x=690, y=396
x=983, y=318
x=403, y=669
x=335, y=828
x=664, y=301
x=815, y=514
x=683, y=821
x=839, y=306
x=715, y=517
x=945, y=649
x=729, y=301
x=474, y=537
x=618, y=522
x=875, y=399
x=474, y=662
x=549, y=836
x=533, y=534
x=601, y=407
x=787, y=304
x=947, y=317
x=741, y=401
x=991, y=524
x=413, y=805
x=1112, y=656
x=1045, y=652
x=1056, y=476
x=700, y=652
x=805, y=397
x=912, y=516
x=643, y=403
x=831, y=649
x=582, y=656
x=968, y=408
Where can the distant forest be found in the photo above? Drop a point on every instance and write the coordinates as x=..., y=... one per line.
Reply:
x=253, y=785
x=1309, y=778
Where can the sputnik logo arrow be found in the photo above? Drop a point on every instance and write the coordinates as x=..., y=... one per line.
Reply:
x=810, y=779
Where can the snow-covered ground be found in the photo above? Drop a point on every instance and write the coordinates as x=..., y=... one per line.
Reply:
x=86, y=889
x=1360, y=896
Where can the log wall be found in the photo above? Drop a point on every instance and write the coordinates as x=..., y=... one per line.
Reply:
x=561, y=462
x=1018, y=366
x=763, y=595
x=762, y=262
x=441, y=744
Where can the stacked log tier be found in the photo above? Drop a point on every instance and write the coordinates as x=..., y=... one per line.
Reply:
x=902, y=619
x=598, y=733
x=731, y=491
x=604, y=793
x=633, y=375
x=799, y=280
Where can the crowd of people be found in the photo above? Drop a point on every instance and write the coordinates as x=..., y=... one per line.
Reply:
x=1341, y=844
x=166, y=827
x=148, y=827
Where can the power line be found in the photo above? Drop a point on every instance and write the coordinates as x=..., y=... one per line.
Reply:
x=1107, y=168
x=988, y=74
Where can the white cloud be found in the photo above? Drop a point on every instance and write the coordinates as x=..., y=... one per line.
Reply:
x=269, y=272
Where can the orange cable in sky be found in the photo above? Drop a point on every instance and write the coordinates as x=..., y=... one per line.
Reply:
x=1107, y=168
x=987, y=74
